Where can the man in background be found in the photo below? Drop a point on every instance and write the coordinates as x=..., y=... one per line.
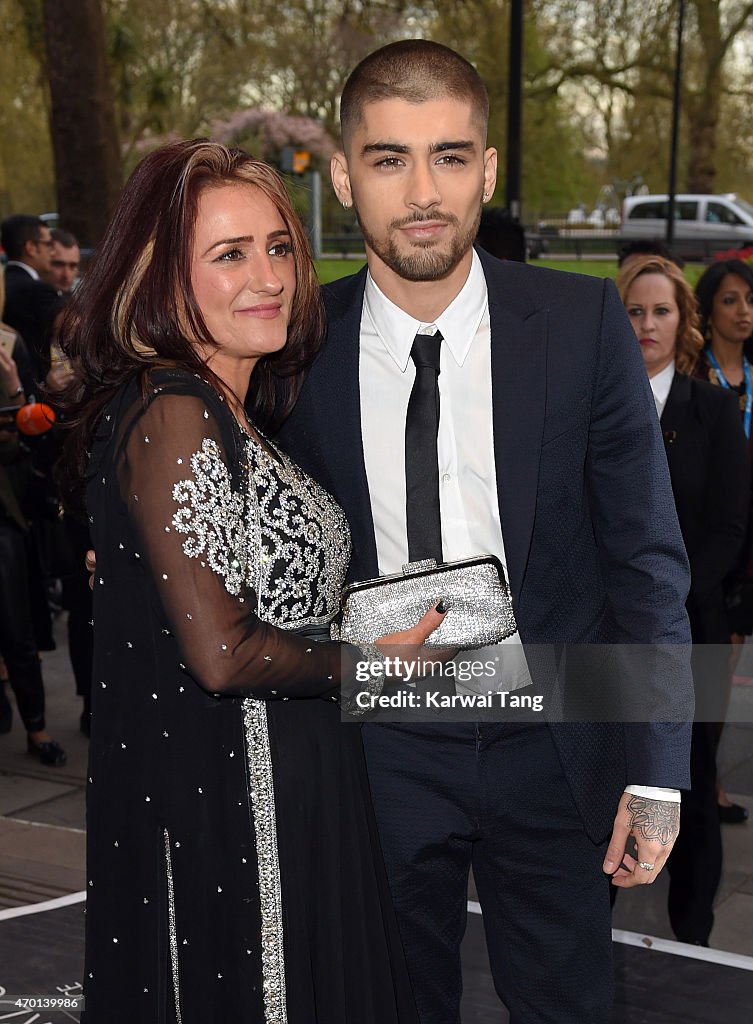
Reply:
x=30, y=301
x=65, y=261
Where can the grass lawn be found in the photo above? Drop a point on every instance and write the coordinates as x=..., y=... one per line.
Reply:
x=608, y=268
x=594, y=268
x=331, y=270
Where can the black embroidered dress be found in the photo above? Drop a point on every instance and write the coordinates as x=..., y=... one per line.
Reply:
x=233, y=868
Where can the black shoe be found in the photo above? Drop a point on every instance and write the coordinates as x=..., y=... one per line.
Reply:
x=6, y=712
x=48, y=752
x=732, y=814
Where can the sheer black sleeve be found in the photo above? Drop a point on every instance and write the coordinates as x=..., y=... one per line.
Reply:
x=180, y=477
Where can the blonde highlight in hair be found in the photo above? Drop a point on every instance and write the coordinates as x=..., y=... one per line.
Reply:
x=689, y=340
x=124, y=297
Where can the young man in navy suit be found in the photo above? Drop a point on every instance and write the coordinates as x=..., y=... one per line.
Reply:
x=549, y=456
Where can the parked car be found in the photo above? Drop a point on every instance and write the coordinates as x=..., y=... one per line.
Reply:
x=703, y=223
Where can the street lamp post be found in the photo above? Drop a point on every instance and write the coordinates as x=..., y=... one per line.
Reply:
x=514, y=103
x=676, y=96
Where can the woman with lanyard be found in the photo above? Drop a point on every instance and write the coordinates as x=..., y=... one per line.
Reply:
x=725, y=300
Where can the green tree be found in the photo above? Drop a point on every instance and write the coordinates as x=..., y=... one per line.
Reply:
x=717, y=26
x=182, y=64
x=555, y=171
x=26, y=179
x=630, y=53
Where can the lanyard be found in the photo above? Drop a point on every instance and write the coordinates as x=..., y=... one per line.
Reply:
x=748, y=387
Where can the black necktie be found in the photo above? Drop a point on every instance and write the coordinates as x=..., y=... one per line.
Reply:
x=421, y=461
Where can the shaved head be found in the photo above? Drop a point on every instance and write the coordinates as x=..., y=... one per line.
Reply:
x=414, y=70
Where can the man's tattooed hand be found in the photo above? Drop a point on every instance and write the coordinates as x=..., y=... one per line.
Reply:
x=656, y=820
x=652, y=825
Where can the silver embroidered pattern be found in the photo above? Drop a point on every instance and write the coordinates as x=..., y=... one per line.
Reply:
x=172, y=928
x=212, y=515
x=261, y=785
x=288, y=540
x=299, y=541
x=373, y=686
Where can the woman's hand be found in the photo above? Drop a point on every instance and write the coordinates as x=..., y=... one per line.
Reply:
x=409, y=644
x=91, y=566
x=418, y=634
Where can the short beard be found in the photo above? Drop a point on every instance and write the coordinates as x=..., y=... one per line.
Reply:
x=424, y=263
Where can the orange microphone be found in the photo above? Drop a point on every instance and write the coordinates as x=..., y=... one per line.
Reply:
x=35, y=418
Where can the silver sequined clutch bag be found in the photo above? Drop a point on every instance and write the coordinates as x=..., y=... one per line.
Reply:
x=475, y=589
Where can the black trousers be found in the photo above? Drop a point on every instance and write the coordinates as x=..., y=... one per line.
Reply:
x=17, y=641
x=695, y=865
x=492, y=797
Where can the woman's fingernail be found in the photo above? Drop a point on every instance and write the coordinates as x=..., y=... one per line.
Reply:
x=442, y=607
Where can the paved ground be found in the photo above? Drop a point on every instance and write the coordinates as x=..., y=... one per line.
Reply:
x=42, y=847
x=42, y=809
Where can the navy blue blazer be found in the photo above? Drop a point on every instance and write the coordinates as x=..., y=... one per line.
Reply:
x=592, y=543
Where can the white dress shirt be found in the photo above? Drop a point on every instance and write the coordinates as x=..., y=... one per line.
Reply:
x=29, y=270
x=465, y=442
x=661, y=383
x=465, y=445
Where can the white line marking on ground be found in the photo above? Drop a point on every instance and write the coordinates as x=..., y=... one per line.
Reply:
x=39, y=908
x=44, y=824
x=652, y=942
x=711, y=956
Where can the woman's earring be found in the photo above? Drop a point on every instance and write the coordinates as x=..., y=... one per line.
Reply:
x=346, y=204
x=486, y=196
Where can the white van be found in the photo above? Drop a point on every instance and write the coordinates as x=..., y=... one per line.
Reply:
x=703, y=223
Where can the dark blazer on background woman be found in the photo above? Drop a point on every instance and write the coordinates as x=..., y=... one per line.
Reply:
x=710, y=471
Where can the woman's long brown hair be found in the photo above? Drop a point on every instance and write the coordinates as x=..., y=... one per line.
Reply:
x=135, y=308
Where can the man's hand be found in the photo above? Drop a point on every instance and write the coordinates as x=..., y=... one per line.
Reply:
x=654, y=825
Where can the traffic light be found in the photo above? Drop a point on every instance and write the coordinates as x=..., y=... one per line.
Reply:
x=295, y=161
x=301, y=161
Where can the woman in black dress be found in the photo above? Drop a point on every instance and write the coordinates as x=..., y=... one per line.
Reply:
x=233, y=868
x=708, y=467
x=725, y=300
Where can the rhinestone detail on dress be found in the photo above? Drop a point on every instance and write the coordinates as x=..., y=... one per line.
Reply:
x=261, y=786
x=172, y=928
x=299, y=539
x=211, y=513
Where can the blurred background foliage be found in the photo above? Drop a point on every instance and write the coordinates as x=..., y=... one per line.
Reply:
x=268, y=73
